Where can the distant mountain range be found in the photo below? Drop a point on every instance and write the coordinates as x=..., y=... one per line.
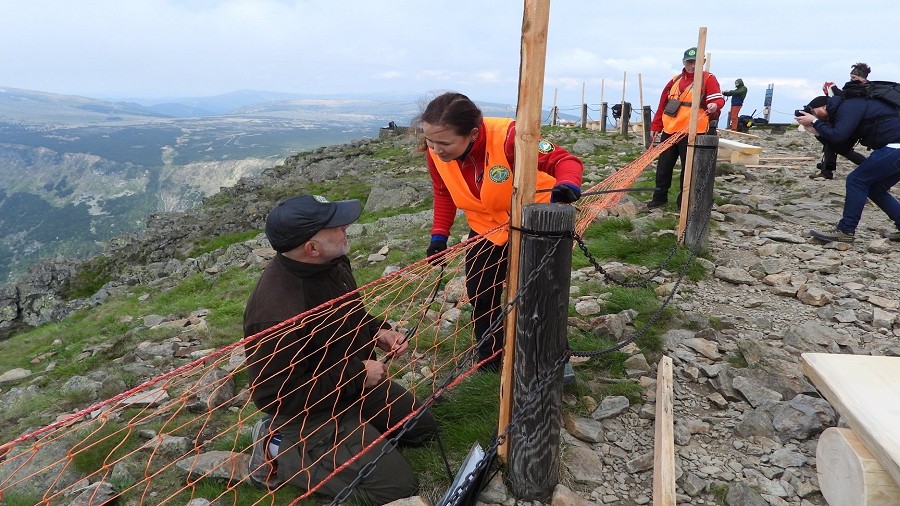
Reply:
x=77, y=171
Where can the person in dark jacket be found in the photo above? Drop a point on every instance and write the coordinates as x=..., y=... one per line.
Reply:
x=876, y=125
x=859, y=74
x=738, y=94
x=325, y=395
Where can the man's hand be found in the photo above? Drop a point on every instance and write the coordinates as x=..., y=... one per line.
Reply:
x=711, y=107
x=391, y=341
x=375, y=373
x=565, y=193
x=806, y=119
x=653, y=136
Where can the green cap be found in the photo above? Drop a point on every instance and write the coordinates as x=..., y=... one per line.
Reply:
x=690, y=54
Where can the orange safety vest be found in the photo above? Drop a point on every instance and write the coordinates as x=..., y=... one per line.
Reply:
x=492, y=209
x=682, y=118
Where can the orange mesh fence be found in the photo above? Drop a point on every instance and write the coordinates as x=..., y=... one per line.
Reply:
x=166, y=440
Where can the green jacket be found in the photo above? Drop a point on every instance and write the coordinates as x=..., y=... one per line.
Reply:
x=738, y=93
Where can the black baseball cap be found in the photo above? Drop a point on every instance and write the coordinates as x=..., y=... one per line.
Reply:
x=819, y=101
x=294, y=221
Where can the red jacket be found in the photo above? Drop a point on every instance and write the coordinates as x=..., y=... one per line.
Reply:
x=559, y=163
x=712, y=93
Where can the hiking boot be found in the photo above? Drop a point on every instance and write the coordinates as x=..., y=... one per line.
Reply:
x=833, y=235
x=823, y=174
x=653, y=204
x=261, y=468
x=891, y=236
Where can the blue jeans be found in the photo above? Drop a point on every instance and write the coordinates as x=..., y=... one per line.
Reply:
x=873, y=179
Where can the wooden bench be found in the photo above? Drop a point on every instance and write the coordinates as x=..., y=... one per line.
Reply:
x=739, y=152
x=859, y=465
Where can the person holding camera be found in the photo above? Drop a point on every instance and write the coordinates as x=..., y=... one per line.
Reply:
x=674, y=114
x=738, y=94
x=876, y=125
x=471, y=160
x=859, y=74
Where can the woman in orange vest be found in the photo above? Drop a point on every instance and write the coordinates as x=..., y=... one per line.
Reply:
x=471, y=159
x=673, y=116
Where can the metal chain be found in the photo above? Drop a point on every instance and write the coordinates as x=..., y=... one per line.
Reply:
x=628, y=284
x=701, y=189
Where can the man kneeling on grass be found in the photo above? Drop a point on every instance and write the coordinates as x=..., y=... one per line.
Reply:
x=325, y=395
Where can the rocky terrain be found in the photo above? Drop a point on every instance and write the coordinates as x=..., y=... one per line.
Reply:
x=746, y=433
x=746, y=417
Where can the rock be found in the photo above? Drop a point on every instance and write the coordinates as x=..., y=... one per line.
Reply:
x=611, y=406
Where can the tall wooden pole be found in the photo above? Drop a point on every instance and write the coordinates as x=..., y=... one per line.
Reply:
x=692, y=133
x=535, y=23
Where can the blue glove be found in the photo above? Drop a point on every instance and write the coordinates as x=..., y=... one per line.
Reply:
x=565, y=193
x=438, y=244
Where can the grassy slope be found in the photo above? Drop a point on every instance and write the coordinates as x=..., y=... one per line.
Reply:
x=469, y=415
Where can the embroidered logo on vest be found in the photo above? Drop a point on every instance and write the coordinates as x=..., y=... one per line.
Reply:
x=545, y=146
x=498, y=173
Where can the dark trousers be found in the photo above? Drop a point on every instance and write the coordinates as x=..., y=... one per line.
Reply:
x=872, y=180
x=485, y=275
x=665, y=166
x=830, y=154
x=334, y=443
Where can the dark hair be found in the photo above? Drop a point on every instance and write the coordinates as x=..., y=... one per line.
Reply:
x=860, y=69
x=454, y=110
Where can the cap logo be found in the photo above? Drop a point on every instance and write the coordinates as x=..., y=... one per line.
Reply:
x=545, y=146
x=320, y=199
x=498, y=173
x=692, y=52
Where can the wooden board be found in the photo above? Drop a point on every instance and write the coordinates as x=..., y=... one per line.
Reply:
x=770, y=166
x=740, y=147
x=664, y=440
x=788, y=158
x=849, y=474
x=745, y=135
x=865, y=390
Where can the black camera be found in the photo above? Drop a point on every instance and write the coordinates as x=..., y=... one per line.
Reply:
x=799, y=112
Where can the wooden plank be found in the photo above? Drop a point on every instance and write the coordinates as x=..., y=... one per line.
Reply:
x=865, y=390
x=736, y=133
x=788, y=158
x=535, y=23
x=849, y=474
x=664, y=442
x=740, y=147
x=744, y=158
x=769, y=166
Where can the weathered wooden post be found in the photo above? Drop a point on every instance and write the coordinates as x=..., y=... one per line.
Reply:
x=603, y=113
x=584, y=108
x=646, y=119
x=540, y=343
x=626, y=115
x=696, y=233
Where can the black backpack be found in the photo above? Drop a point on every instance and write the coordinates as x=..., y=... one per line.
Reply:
x=886, y=91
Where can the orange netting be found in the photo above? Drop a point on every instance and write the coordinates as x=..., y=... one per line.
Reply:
x=159, y=442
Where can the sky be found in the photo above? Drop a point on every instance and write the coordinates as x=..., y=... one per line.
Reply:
x=116, y=49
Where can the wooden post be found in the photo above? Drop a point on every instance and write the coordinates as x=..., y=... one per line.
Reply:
x=692, y=133
x=701, y=192
x=646, y=119
x=535, y=21
x=626, y=117
x=583, y=108
x=623, y=129
x=604, y=110
x=664, y=440
x=540, y=343
x=555, y=118
x=849, y=473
